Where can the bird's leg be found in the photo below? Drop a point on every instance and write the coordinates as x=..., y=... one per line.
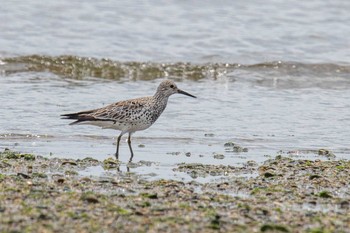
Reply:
x=118, y=140
x=129, y=143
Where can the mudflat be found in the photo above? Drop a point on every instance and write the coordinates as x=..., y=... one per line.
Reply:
x=41, y=194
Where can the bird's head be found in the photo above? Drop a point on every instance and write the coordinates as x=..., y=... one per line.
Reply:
x=168, y=87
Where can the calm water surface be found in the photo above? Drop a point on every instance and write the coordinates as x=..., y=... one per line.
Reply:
x=294, y=106
x=209, y=31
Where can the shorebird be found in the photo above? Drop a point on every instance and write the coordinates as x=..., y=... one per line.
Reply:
x=129, y=116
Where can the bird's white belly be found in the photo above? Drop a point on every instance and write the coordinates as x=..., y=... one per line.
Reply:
x=124, y=127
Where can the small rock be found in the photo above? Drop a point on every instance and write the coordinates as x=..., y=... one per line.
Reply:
x=245, y=149
x=232, y=147
x=274, y=228
x=344, y=205
x=71, y=173
x=174, y=153
x=268, y=174
x=219, y=156
x=209, y=135
x=25, y=176
x=73, y=163
x=60, y=180
x=327, y=153
x=89, y=198
x=229, y=144
x=252, y=163
x=311, y=177
x=89, y=160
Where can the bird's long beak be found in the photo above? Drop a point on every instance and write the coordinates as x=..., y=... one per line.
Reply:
x=185, y=93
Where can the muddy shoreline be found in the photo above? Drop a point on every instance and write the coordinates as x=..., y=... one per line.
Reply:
x=284, y=195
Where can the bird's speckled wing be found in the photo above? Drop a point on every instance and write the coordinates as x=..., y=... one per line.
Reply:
x=122, y=111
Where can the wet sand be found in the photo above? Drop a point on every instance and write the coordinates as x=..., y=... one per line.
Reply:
x=283, y=195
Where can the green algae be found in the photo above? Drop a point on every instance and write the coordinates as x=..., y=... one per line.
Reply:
x=149, y=195
x=124, y=202
x=111, y=163
x=203, y=170
x=274, y=228
x=80, y=67
x=318, y=230
x=8, y=154
x=325, y=194
x=326, y=153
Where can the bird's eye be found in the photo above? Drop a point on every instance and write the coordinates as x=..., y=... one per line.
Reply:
x=171, y=86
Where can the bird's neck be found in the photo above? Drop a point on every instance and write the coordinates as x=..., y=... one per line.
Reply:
x=160, y=102
x=158, y=96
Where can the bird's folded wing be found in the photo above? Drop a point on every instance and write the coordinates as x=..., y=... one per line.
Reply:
x=120, y=111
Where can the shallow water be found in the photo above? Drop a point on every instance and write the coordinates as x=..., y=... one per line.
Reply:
x=256, y=108
x=275, y=82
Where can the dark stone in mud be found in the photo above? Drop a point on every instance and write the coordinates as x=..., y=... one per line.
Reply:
x=60, y=180
x=150, y=195
x=268, y=174
x=22, y=175
x=314, y=177
x=273, y=228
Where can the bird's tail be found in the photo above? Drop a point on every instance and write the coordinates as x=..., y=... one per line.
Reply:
x=78, y=116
